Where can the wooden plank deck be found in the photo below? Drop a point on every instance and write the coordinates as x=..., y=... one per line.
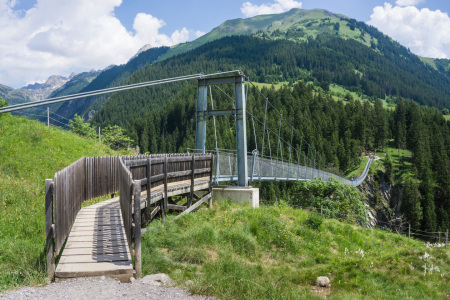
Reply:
x=97, y=244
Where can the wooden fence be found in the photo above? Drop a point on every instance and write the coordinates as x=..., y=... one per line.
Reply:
x=159, y=176
x=85, y=179
x=92, y=177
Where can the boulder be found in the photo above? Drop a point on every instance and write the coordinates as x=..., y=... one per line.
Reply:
x=323, y=281
x=157, y=279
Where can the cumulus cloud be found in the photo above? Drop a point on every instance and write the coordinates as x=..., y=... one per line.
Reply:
x=408, y=2
x=80, y=35
x=425, y=32
x=250, y=9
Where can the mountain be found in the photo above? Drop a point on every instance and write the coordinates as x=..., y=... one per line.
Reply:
x=51, y=83
x=75, y=83
x=381, y=69
x=32, y=92
x=143, y=49
x=263, y=23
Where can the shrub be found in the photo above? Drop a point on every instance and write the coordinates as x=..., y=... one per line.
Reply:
x=313, y=221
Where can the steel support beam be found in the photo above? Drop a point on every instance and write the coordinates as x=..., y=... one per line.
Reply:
x=241, y=130
x=200, y=132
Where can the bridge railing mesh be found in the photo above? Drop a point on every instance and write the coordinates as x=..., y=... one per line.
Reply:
x=271, y=169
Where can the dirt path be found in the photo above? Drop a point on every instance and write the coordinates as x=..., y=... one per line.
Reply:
x=102, y=288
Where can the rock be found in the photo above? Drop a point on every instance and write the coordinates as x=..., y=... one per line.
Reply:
x=157, y=279
x=132, y=279
x=323, y=281
x=189, y=283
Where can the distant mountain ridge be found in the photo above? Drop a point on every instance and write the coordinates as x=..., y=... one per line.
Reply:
x=32, y=92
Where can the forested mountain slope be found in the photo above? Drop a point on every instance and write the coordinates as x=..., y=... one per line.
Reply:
x=321, y=60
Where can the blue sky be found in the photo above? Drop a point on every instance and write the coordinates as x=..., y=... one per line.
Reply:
x=39, y=38
x=204, y=16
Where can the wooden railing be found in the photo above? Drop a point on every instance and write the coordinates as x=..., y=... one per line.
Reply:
x=92, y=177
x=159, y=176
x=85, y=179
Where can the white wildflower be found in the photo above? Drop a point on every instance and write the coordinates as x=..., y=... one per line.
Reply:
x=426, y=256
x=360, y=251
x=425, y=269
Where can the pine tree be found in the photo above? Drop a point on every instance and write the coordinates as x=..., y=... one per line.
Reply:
x=411, y=203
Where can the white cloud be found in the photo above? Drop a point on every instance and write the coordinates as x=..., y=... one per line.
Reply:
x=425, y=32
x=199, y=33
x=250, y=9
x=408, y=2
x=80, y=35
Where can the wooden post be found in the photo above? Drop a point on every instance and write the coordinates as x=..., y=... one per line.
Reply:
x=191, y=195
x=149, y=187
x=321, y=211
x=165, y=182
x=210, y=182
x=446, y=239
x=409, y=232
x=49, y=228
x=137, y=227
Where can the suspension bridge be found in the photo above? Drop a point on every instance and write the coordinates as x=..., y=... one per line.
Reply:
x=299, y=162
x=101, y=239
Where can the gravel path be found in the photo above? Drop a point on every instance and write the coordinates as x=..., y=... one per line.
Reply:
x=102, y=288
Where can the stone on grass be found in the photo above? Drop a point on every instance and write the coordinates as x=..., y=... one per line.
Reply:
x=323, y=281
x=157, y=279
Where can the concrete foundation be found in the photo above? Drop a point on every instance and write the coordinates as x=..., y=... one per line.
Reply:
x=238, y=194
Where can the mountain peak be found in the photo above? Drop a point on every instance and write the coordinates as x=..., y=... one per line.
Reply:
x=143, y=49
x=53, y=82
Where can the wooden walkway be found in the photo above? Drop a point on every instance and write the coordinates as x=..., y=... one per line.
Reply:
x=97, y=244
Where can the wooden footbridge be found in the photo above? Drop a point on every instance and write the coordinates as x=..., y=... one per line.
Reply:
x=102, y=239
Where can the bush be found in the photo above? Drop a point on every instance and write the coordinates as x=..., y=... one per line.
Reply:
x=3, y=102
x=313, y=221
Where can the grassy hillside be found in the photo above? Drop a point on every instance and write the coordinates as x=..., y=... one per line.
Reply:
x=30, y=153
x=235, y=252
x=298, y=18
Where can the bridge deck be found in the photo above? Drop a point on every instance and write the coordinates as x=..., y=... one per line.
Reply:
x=97, y=244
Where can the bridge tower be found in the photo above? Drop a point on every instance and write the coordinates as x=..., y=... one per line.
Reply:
x=238, y=79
